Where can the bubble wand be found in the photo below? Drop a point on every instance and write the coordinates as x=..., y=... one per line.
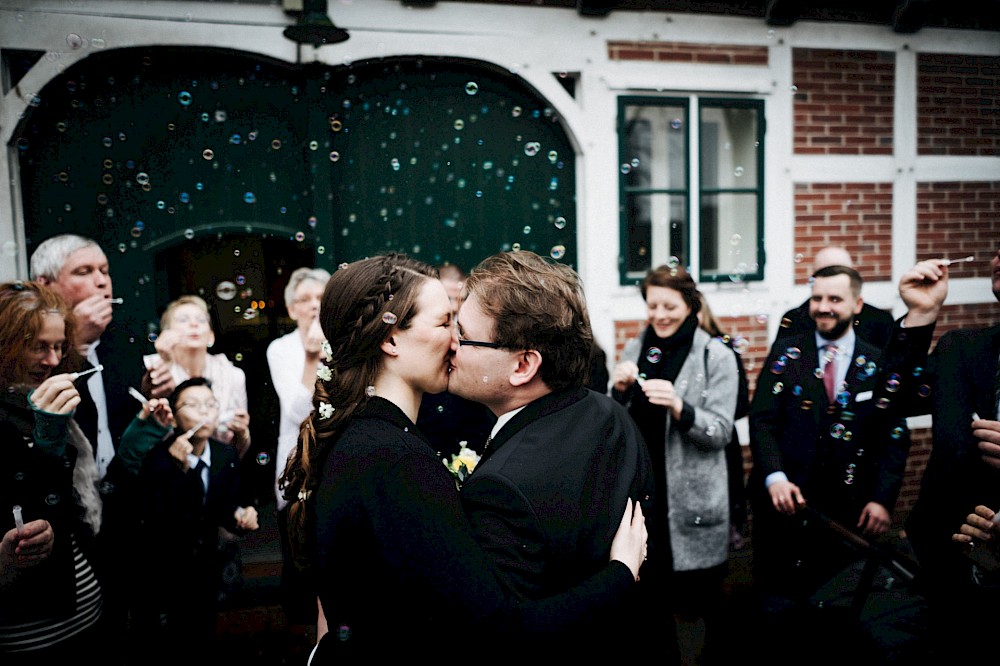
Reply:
x=18, y=520
x=76, y=375
x=195, y=429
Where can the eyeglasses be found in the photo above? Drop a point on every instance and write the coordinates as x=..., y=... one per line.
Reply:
x=42, y=349
x=478, y=343
x=209, y=406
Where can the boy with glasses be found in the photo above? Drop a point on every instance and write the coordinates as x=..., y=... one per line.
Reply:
x=190, y=490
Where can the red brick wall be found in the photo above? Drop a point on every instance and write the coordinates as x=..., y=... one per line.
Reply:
x=856, y=216
x=957, y=219
x=957, y=104
x=843, y=102
x=916, y=463
x=711, y=54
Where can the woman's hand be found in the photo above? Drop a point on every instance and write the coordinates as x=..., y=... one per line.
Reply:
x=624, y=375
x=56, y=395
x=662, y=392
x=165, y=343
x=314, y=339
x=32, y=546
x=629, y=544
x=239, y=425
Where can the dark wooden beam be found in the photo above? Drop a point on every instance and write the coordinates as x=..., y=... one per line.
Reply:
x=781, y=12
x=910, y=15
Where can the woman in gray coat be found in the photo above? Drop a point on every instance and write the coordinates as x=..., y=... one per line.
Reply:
x=680, y=386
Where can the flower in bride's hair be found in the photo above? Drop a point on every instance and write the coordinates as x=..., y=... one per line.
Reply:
x=326, y=410
x=324, y=372
x=327, y=351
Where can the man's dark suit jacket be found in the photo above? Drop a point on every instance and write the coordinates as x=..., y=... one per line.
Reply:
x=180, y=564
x=873, y=325
x=964, y=367
x=121, y=355
x=548, y=494
x=841, y=455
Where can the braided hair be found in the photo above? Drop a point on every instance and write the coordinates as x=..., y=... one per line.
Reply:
x=364, y=303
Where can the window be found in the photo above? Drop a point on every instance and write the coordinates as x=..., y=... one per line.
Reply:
x=661, y=177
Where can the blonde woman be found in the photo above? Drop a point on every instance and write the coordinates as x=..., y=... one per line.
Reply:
x=182, y=352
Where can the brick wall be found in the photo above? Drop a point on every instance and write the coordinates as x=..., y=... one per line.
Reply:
x=957, y=219
x=843, y=102
x=856, y=216
x=711, y=54
x=957, y=104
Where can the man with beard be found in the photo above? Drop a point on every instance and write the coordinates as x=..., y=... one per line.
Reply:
x=828, y=432
x=872, y=324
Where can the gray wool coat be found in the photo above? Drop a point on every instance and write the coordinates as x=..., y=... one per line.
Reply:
x=697, y=482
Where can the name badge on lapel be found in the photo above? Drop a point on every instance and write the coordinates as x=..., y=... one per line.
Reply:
x=864, y=395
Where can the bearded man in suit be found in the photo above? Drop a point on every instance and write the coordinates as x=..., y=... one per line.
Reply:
x=828, y=432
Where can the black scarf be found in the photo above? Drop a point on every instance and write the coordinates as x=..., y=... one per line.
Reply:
x=660, y=358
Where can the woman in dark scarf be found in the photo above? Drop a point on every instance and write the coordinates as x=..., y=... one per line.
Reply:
x=680, y=385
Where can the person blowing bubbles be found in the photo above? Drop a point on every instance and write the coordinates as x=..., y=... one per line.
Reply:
x=190, y=488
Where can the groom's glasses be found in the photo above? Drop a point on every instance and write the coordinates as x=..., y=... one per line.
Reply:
x=479, y=343
x=474, y=343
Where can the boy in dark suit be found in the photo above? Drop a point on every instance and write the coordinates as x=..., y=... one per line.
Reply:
x=190, y=488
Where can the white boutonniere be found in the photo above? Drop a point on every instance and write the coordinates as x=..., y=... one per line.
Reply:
x=462, y=464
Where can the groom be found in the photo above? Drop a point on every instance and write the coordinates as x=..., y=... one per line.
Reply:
x=549, y=491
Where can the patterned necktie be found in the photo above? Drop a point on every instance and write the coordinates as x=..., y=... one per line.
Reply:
x=830, y=372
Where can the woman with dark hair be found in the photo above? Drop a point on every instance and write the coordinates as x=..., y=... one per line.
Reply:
x=375, y=513
x=50, y=599
x=680, y=386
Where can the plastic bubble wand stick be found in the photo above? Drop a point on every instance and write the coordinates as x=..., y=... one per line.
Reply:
x=18, y=520
x=76, y=375
x=138, y=396
x=963, y=260
x=196, y=428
